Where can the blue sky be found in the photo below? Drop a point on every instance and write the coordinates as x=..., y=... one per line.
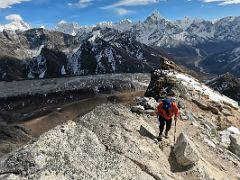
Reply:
x=89, y=12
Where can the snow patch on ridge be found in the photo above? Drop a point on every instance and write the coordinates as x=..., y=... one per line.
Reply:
x=191, y=82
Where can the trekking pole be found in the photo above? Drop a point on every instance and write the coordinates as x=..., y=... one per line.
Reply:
x=175, y=132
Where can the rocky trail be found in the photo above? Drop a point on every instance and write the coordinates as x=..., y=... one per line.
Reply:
x=117, y=140
x=112, y=143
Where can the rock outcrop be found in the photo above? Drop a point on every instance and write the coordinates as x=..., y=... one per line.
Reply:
x=235, y=144
x=185, y=151
x=104, y=144
x=161, y=86
x=111, y=142
x=147, y=103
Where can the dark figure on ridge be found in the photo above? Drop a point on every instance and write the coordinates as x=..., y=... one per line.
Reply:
x=165, y=112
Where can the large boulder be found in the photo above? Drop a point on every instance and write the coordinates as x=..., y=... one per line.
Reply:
x=138, y=109
x=185, y=151
x=151, y=104
x=147, y=102
x=225, y=135
x=235, y=144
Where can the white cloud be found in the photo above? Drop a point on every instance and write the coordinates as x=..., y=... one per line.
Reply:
x=14, y=17
x=118, y=9
x=121, y=3
x=122, y=11
x=9, y=3
x=81, y=3
x=223, y=2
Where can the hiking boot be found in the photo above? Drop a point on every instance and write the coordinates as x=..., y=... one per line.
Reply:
x=159, y=138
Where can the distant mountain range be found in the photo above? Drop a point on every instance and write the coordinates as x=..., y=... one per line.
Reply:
x=39, y=53
x=71, y=49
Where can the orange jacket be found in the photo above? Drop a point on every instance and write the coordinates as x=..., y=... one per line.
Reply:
x=172, y=111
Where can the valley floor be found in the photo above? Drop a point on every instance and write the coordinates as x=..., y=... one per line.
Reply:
x=30, y=108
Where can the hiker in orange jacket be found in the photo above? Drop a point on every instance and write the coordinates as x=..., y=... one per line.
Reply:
x=165, y=111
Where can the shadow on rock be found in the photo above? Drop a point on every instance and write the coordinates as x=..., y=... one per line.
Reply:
x=175, y=167
x=144, y=132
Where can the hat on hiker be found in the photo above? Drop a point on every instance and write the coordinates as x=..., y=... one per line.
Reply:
x=166, y=104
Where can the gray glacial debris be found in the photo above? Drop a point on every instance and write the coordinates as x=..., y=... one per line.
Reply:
x=115, y=82
x=185, y=151
x=103, y=144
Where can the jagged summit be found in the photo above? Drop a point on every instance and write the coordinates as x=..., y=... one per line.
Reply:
x=68, y=28
x=154, y=17
x=16, y=23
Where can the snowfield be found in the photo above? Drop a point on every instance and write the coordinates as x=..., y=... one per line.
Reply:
x=194, y=84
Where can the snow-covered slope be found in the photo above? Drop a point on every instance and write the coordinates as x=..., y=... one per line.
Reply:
x=16, y=23
x=156, y=30
x=72, y=28
x=195, y=85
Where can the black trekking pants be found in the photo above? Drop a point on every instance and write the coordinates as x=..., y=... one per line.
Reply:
x=163, y=121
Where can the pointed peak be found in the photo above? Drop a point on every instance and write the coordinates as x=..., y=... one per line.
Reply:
x=62, y=22
x=156, y=13
x=155, y=16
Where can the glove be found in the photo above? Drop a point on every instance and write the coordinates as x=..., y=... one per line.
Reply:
x=176, y=118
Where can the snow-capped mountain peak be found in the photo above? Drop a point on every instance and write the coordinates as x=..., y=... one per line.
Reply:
x=126, y=21
x=68, y=28
x=16, y=23
x=184, y=23
x=154, y=18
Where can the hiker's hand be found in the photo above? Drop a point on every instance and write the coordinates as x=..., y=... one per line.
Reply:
x=176, y=118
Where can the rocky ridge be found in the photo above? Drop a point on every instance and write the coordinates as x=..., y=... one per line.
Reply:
x=226, y=84
x=111, y=142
